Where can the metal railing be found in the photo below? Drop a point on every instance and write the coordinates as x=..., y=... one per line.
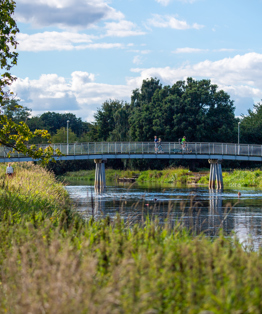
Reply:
x=98, y=148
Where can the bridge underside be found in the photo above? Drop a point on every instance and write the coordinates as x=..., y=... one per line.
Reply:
x=143, y=156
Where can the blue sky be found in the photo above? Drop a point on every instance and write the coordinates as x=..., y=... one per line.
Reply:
x=76, y=54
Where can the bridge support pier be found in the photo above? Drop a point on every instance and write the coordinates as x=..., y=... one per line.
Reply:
x=100, y=175
x=215, y=176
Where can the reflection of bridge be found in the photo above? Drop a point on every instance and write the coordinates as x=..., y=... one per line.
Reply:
x=101, y=151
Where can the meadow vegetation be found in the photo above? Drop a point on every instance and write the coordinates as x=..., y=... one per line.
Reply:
x=235, y=178
x=178, y=175
x=52, y=261
x=239, y=178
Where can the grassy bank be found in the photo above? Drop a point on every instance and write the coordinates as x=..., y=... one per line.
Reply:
x=52, y=261
x=179, y=175
x=236, y=178
x=239, y=178
x=31, y=189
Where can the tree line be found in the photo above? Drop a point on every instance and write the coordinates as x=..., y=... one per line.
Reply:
x=191, y=108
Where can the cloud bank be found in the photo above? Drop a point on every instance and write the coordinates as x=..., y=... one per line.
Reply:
x=240, y=76
x=65, y=14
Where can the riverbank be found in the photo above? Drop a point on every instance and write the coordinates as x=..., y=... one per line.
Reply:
x=235, y=178
x=172, y=176
x=238, y=178
x=52, y=261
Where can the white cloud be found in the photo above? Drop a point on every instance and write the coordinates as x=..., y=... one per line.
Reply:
x=240, y=76
x=65, y=13
x=145, y=52
x=166, y=2
x=103, y=46
x=122, y=29
x=137, y=60
x=52, y=41
x=79, y=95
x=48, y=41
x=189, y=50
x=225, y=50
x=168, y=21
x=163, y=2
x=187, y=1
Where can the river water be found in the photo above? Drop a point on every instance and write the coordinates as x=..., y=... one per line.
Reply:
x=195, y=207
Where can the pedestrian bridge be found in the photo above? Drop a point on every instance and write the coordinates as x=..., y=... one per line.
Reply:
x=215, y=153
x=147, y=150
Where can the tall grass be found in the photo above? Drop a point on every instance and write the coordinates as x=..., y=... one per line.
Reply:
x=243, y=178
x=105, y=267
x=239, y=178
x=178, y=175
x=31, y=189
x=52, y=261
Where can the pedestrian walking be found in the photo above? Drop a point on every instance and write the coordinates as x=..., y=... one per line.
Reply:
x=156, y=143
x=9, y=170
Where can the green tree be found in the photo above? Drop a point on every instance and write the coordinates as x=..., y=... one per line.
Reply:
x=14, y=135
x=251, y=126
x=53, y=121
x=105, y=120
x=61, y=136
x=192, y=108
x=14, y=111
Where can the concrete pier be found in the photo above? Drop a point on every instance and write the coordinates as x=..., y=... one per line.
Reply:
x=215, y=176
x=100, y=175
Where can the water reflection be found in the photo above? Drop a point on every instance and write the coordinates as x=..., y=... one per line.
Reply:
x=215, y=217
x=100, y=205
x=198, y=209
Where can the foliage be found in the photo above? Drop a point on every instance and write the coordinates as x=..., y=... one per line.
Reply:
x=179, y=175
x=111, y=121
x=193, y=108
x=8, y=44
x=251, y=126
x=61, y=136
x=52, y=261
x=14, y=111
x=14, y=135
x=32, y=188
x=53, y=121
x=238, y=178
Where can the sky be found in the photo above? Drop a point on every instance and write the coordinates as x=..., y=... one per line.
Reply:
x=76, y=54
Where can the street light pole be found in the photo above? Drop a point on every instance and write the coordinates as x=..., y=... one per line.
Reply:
x=67, y=150
x=238, y=139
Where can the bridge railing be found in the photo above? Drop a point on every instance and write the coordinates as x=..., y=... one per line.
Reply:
x=98, y=148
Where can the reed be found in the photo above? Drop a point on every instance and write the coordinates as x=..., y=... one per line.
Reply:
x=52, y=261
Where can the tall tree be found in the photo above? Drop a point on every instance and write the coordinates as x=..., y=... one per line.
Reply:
x=14, y=111
x=54, y=121
x=14, y=135
x=251, y=126
x=192, y=108
x=104, y=118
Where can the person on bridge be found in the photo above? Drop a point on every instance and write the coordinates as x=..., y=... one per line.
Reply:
x=156, y=143
x=9, y=170
x=159, y=148
x=183, y=142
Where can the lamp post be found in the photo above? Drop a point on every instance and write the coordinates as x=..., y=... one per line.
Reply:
x=238, y=137
x=67, y=150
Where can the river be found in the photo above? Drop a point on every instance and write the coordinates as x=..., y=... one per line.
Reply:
x=195, y=207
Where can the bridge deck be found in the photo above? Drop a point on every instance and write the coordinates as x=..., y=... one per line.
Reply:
x=147, y=150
